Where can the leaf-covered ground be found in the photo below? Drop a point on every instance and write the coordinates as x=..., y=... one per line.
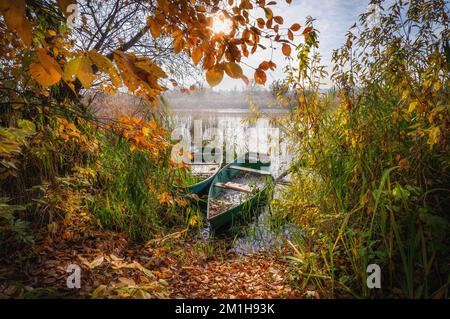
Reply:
x=254, y=276
x=174, y=266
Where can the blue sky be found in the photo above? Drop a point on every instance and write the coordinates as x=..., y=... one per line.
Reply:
x=333, y=19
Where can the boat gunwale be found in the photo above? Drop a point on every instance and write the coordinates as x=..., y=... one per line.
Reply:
x=217, y=170
x=251, y=198
x=238, y=205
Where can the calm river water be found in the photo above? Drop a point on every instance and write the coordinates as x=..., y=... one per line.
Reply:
x=230, y=128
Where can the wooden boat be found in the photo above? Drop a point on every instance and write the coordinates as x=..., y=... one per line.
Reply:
x=205, y=171
x=203, y=185
x=221, y=213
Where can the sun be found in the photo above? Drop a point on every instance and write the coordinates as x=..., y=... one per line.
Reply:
x=222, y=25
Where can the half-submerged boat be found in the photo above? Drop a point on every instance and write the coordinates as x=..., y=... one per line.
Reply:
x=237, y=188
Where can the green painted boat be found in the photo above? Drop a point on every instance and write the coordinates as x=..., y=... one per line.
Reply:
x=203, y=185
x=208, y=170
x=244, y=169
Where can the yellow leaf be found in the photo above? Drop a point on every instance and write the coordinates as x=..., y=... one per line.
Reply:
x=405, y=94
x=46, y=71
x=114, y=76
x=268, y=12
x=85, y=73
x=151, y=68
x=71, y=69
x=437, y=86
x=434, y=135
x=412, y=106
x=102, y=62
x=165, y=198
x=72, y=127
x=140, y=75
x=214, y=75
x=193, y=220
x=96, y=262
x=99, y=292
x=127, y=282
x=233, y=70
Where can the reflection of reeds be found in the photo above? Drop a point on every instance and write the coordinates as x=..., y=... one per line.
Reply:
x=234, y=130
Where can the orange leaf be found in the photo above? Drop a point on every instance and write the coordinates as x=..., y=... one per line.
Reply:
x=178, y=44
x=245, y=79
x=261, y=22
x=14, y=14
x=286, y=48
x=260, y=76
x=265, y=65
x=155, y=27
x=46, y=71
x=196, y=55
x=290, y=35
x=307, y=30
x=279, y=19
x=295, y=27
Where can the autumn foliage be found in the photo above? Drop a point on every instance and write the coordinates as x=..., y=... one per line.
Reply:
x=46, y=72
x=370, y=169
x=189, y=24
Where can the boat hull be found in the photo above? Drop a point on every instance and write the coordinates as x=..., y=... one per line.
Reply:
x=201, y=187
x=244, y=209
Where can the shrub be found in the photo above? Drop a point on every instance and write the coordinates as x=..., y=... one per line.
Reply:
x=371, y=184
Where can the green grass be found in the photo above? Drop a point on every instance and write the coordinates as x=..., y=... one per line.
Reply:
x=124, y=200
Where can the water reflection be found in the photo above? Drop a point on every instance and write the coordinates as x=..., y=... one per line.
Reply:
x=230, y=128
x=259, y=236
